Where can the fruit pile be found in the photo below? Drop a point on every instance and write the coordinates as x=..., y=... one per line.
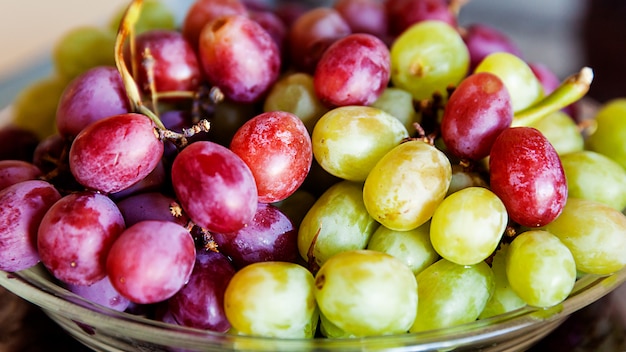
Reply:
x=364, y=168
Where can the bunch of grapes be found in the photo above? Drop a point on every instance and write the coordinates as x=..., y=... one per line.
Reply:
x=366, y=168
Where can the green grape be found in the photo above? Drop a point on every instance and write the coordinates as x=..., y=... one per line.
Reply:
x=595, y=234
x=83, y=48
x=504, y=299
x=272, y=299
x=463, y=178
x=366, y=293
x=562, y=132
x=540, y=268
x=399, y=104
x=451, y=294
x=427, y=58
x=406, y=185
x=412, y=247
x=467, y=226
x=35, y=107
x=227, y=118
x=593, y=176
x=296, y=205
x=610, y=133
x=522, y=84
x=349, y=140
x=155, y=14
x=295, y=93
x=337, y=222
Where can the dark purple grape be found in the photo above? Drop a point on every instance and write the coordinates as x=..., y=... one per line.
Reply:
x=149, y=206
x=17, y=143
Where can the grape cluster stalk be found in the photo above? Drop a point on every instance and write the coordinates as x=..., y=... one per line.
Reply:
x=365, y=168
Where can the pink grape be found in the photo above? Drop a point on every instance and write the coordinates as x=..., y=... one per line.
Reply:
x=364, y=16
x=271, y=236
x=202, y=12
x=214, y=186
x=92, y=96
x=101, y=292
x=15, y=171
x=526, y=174
x=151, y=260
x=277, y=148
x=243, y=72
x=354, y=70
x=478, y=110
x=200, y=303
x=22, y=206
x=76, y=234
x=114, y=153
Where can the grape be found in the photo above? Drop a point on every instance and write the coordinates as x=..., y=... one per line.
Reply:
x=294, y=93
x=270, y=236
x=596, y=177
x=116, y=152
x=228, y=118
x=149, y=206
x=427, y=58
x=412, y=247
x=610, y=133
x=200, y=303
x=346, y=65
x=95, y=94
x=155, y=14
x=527, y=175
x=49, y=152
x=503, y=299
x=274, y=26
x=22, y=206
x=17, y=143
x=451, y=294
x=15, y=171
x=478, y=110
x=230, y=67
x=81, y=49
x=337, y=222
x=399, y=104
x=296, y=205
x=463, y=178
x=402, y=14
x=349, y=140
x=467, y=226
x=35, y=107
x=482, y=39
x=364, y=16
x=157, y=179
x=272, y=299
x=277, y=148
x=562, y=132
x=151, y=261
x=101, y=292
x=406, y=185
x=366, y=293
x=522, y=84
x=540, y=268
x=594, y=233
x=214, y=187
x=201, y=12
x=76, y=234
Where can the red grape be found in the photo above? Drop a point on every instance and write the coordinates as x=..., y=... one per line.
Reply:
x=151, y=260
x=526, y=173
x=364, y=16
x=114, y=153
x=101, y=292
x=214, y=186
x=14, y=171
x=276, y=146
x=478, y=110
x=148, y=206
x=402, y=14
x=482, y=40
x=274, y=25
x=202, y=12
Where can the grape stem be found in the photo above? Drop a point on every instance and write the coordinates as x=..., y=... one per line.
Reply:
x=569, y=91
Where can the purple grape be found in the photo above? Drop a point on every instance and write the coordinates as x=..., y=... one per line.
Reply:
x=15, y=171
x=154, y=181
x=17, y=143
x=22, y=206
x=482, y=40
x=402, y=14
x=149, y=206
x=101, y=292
x=75, y=237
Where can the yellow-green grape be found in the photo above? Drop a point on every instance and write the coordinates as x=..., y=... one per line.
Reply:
x=540, y=268
x=610, y=133
x=35, y=107
x=296, y=205
x=427, y=58
x=272, y=299
x=412, y=247
x=83, y=48
x=399, y=104
x=405, y=187
x=155, y=14
x=562, y=132
x=349, y=140
x=503, y=299
x=463, y=178
x=295, y=93
x=451, y=294
x=337, y=222
x=593, y=176
x=518, y=78
x=467, y=226
x=595, y=234
x=366, y=293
